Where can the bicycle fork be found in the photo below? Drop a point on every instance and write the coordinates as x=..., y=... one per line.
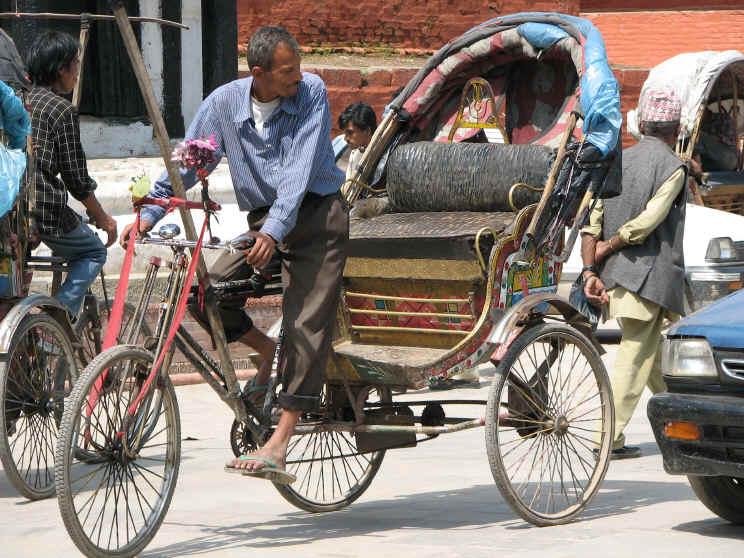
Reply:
x=138, y=418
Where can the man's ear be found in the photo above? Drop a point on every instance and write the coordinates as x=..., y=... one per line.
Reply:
x=257, y=72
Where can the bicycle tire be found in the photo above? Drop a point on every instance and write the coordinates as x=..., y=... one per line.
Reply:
x=116, y=389
x=32, y=399
x=337, y=466
x=535, y=404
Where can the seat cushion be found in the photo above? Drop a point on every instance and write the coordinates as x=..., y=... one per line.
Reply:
x=437, y=235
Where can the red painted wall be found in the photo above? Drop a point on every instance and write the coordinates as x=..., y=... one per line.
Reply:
x=648, y=38
x=648, y=5
x=394, y=23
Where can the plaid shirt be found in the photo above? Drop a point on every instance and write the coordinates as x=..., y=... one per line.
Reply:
x=60, y=162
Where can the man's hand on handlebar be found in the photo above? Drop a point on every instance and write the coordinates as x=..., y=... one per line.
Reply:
x=144, y=227
x=260, y=255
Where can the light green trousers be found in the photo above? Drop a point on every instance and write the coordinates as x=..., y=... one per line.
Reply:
x=638, y=364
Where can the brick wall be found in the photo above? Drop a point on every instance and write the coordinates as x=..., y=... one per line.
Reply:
x=392, y=23
x=648, y=5
x=647, y=38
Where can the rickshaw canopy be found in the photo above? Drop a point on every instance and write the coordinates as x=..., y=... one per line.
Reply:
x=694, y=75
x=575, y=69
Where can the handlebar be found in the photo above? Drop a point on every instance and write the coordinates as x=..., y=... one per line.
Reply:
x=237, y=244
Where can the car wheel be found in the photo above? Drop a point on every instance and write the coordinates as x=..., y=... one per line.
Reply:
x=724, y=496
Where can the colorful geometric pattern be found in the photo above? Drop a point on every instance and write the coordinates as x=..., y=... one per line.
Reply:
x=508, y=284
x=413, y=321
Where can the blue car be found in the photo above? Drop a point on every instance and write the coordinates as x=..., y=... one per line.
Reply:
x=699, y=422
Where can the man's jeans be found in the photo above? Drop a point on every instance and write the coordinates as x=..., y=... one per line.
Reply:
x=86, y=255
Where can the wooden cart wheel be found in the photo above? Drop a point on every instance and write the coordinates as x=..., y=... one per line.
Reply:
x=549, y=424
x=331, y=473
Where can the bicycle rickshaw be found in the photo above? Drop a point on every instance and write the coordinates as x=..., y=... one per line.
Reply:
x=710, y=85
x=425, y=294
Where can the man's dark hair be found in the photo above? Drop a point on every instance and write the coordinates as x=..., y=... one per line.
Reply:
x=360, y=114
x=50, y=52
x=660, y=129
x=263, y=43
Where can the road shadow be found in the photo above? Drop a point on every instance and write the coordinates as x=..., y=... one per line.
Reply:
x=7, y=490
x=713, y=527
x=648, y=448
x=474, y=507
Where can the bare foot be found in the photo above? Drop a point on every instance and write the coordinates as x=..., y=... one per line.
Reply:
x=276, y=455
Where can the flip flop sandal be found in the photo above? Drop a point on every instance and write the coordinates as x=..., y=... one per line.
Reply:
x=271, y=472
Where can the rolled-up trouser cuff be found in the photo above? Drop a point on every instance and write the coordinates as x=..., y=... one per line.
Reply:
x=298, y=402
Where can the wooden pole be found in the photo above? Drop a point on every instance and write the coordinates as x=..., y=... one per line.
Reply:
x=553, y=176
x=92, y=17
x=161, y=135
x=84, y=29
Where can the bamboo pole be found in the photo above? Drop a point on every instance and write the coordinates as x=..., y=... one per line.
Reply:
x=93, y=17
x=161, y=135
x=84, y=29
x=553, y=176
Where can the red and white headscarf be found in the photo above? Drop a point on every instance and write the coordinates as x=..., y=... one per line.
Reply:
x=661, y=105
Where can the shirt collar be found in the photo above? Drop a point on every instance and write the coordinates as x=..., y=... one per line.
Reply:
x=245, y=112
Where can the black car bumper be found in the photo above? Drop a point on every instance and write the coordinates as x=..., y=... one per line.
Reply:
x=720, y=420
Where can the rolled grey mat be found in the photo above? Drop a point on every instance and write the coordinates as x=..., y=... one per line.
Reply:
x=433, y=176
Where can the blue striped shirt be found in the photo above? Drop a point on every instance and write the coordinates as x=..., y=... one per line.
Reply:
x=293, y=156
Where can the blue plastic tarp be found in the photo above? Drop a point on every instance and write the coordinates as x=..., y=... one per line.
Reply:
x=17, y=126
x=600, y=94
x=15, y=119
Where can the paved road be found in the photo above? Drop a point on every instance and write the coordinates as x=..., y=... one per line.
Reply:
x=435, y=500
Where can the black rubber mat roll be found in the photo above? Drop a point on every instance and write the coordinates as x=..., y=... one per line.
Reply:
x=432, y=176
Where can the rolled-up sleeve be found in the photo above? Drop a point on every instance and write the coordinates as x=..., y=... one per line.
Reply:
x=73, y=166
x=596, y=219
x=637, y=229
x=302, y=164
x=205, y=124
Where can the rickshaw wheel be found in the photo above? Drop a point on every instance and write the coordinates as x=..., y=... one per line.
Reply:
x=549, y=424
x=114, y=489
x=331, y=473
x=34, y=382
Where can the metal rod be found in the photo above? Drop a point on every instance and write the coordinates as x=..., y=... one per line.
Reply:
x=161, y=134
x=428, y=314
x=410, y=329
x=421, y=403
x=408, y=299
x=94, y=17
x=389, y=429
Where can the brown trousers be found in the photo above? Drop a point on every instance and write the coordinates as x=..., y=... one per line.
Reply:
x=313, y=258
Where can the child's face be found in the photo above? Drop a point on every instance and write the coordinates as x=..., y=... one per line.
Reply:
x=68, y=77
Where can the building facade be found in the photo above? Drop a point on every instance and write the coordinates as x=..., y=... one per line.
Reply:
x=184, y=65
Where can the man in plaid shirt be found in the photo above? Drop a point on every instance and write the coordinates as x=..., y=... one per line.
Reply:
x=61, y=167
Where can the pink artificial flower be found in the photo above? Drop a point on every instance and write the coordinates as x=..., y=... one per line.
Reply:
x=196, y=153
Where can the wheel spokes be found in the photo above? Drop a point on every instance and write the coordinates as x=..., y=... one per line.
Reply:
x=550, y=421
x=117, y=492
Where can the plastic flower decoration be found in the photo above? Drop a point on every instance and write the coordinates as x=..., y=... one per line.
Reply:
x=140, y=186
x=196, y=154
